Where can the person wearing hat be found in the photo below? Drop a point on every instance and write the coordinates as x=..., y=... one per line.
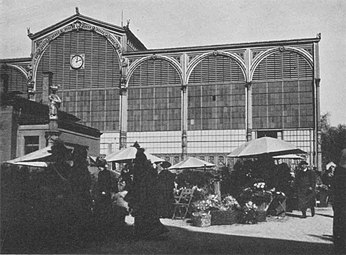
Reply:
x=142, y=199
x=103, y=195
x=339, y=205
x=305, y=183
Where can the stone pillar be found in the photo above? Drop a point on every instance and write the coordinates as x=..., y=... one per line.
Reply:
x=50, y=96
x=123, y=104
x=248, y=86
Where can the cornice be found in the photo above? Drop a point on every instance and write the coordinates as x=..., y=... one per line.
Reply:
x=15, y=60
x=73, y=18
x=227, y=46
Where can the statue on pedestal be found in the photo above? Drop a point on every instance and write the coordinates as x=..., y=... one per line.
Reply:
x=54, y=102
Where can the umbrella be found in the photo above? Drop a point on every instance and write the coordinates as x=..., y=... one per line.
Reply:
x=32, y=163
x=38, y=155
x=130, y=154
x=191, y=162
x=265, y=146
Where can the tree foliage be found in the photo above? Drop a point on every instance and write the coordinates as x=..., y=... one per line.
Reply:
x=333, y=140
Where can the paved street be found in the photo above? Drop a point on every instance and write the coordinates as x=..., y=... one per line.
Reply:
x=288, y=235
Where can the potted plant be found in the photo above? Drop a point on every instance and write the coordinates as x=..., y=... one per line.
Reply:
x=249, y=213
x=255, y=198
x=201, y=213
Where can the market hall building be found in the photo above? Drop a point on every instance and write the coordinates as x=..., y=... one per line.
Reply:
x=199, y=101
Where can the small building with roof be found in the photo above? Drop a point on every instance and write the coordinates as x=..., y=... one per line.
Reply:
x=25, y=126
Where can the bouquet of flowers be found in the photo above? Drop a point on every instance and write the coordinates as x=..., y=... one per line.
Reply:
x=260, y=195
x=322, y=188
x=249, y=215
x=210, y=203
x=229, y=203
x=213, y=202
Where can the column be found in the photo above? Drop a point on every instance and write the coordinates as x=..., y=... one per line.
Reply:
x=184, y=107
x=248, y=86
x=49, y=95
x=248, y=60
x=317, y=134
x=184, y=120
x=123, y=104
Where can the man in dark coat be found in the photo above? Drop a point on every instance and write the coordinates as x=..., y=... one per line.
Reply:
x=305, y=184
x=103, y=195
x=339, y=205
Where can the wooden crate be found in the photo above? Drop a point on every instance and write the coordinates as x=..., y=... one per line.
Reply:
x=225, y=217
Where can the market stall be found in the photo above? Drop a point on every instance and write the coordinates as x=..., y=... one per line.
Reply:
x=260, y=185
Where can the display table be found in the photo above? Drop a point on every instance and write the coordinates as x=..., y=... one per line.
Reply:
x=228, y=217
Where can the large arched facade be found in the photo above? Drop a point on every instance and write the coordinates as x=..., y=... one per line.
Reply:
x=283, y=97
x=154, y=105
x=216, y=106
x=199, y=101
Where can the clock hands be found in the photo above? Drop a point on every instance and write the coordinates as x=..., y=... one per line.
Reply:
x=77, y=61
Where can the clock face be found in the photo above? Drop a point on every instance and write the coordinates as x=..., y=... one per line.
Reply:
x=77, y=61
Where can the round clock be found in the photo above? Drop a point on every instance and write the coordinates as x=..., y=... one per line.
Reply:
x=77, y=61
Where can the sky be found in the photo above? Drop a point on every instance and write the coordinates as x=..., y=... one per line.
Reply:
x=179, y=23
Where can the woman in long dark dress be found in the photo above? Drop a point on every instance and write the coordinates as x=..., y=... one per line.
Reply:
x=339, y=205
x=165, y=193
x=142, y=198
x=305, y=183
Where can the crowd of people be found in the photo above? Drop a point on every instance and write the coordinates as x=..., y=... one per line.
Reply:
x=298, y=185
x=70, y=204
x=65, y=205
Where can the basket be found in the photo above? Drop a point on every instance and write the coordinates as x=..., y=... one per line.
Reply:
x=228, y=217
x=201, y=219
x=261, y=215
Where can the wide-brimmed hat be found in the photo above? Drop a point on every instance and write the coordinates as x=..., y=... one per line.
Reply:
x=342, y=161
x=101, y=162
x=59, y=147
x=303, y=162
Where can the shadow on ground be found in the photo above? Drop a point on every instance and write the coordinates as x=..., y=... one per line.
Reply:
x=177, y=241
x=325, y=215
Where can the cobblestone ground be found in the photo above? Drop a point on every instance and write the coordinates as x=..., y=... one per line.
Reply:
x=288, y=235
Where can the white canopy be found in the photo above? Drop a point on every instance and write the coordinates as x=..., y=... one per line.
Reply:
x=33, y=163
x=265, y=146
x=130, y=154
x=38, y=155
x=191, y=162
